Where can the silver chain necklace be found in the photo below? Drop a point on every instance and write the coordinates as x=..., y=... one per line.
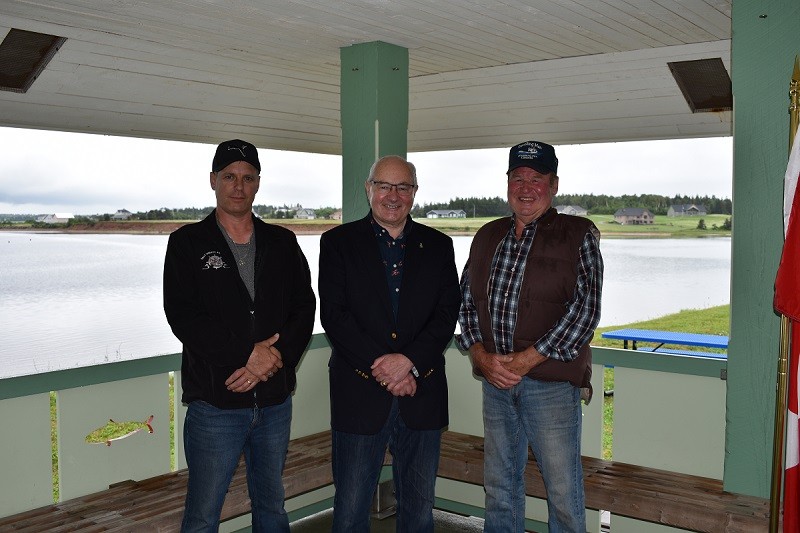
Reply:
x=237, y=248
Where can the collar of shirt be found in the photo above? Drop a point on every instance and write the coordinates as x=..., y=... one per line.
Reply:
x=381, y=232
x=392, y=255
x=526, y=230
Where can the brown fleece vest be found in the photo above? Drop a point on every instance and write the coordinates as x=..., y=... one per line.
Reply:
x=547, y=287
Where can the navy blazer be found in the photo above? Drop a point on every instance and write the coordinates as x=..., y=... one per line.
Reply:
x=357, y=315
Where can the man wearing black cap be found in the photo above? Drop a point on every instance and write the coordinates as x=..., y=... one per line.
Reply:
x=530, y=303
x=237, y=294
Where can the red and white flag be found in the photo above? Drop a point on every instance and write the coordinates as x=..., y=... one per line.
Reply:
x=787, y=302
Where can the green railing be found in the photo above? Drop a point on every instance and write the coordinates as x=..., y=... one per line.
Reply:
x=669, y=413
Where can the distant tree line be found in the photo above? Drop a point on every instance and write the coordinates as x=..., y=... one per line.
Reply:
x=596, y=204
x=165, y=213
x=197, y=213
x=474, y=207
x=601, y=204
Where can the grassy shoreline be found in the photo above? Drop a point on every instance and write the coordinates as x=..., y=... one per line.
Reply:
x=664, y=227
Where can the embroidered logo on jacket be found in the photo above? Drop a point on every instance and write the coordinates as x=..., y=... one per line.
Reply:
x=213, y=260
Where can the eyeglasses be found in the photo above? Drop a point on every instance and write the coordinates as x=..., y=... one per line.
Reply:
x=403, y=189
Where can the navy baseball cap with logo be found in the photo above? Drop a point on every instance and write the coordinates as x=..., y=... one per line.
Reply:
x=539, y=156
x=232, y=151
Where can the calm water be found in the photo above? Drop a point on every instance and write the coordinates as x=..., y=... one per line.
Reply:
x=75, y=300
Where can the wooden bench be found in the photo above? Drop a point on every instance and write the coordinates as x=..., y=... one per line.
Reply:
x=669, y=498
x=156, y=504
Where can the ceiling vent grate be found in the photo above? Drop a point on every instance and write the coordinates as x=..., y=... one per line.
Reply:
x=23, y=56
x=705, y=84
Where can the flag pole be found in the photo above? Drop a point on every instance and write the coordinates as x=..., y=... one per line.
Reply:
x=780, y=423
x=785, y=335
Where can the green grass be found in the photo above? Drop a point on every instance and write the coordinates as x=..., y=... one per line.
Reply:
x=684, y=227
x=456, y=225
x=608, y=413
x=712, y=321
x=54, y=444
x=663, y=227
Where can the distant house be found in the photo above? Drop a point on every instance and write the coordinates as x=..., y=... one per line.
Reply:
x=446, y=213
x=288, y=209
x=308, y=214
x=686, y=210
x=336, y=215
x=633, y=215
x=56, y=218
x=121, y=214
x=572, y=210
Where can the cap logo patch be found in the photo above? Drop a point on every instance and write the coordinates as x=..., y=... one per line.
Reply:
x=241, y=150
x=530, y=152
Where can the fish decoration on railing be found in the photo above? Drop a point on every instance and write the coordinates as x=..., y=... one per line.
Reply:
x=118, y=430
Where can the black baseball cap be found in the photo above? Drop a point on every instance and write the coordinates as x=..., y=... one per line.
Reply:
x=232, y=151
x=539, y=156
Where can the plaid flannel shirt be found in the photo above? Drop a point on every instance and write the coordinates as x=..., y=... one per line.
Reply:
x=571, y=332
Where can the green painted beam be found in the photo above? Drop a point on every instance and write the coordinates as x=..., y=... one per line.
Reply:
x=91, y=375
x=308, y=510
x=690, y=366
x=374, y=115
x=471, y=510
x=764, y=46
x=659, y=362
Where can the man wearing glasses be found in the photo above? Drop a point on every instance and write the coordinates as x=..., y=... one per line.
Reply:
x=389, y=299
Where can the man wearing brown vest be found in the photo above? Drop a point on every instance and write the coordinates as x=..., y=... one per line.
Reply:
x=531, y=302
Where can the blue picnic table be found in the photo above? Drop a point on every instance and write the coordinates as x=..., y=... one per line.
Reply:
x=669, y=337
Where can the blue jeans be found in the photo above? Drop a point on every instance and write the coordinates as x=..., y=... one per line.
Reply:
x=214, y=439
x=546, y=415
x=357, y=462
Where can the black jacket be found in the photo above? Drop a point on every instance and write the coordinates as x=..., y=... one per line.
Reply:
x=358, y=319
x=210, y=311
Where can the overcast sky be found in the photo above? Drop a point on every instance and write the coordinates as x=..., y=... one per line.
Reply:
x=56, y=172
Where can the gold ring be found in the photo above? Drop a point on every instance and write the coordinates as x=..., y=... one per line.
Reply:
x=383, y=383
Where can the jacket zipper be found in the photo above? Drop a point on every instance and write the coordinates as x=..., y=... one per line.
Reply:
x=252, y=333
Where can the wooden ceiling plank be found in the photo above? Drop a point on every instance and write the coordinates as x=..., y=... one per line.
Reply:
x=271, y=67
x=702, y=13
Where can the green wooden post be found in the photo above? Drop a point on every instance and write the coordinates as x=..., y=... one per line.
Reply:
x=374, y=115
x=764, y=46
